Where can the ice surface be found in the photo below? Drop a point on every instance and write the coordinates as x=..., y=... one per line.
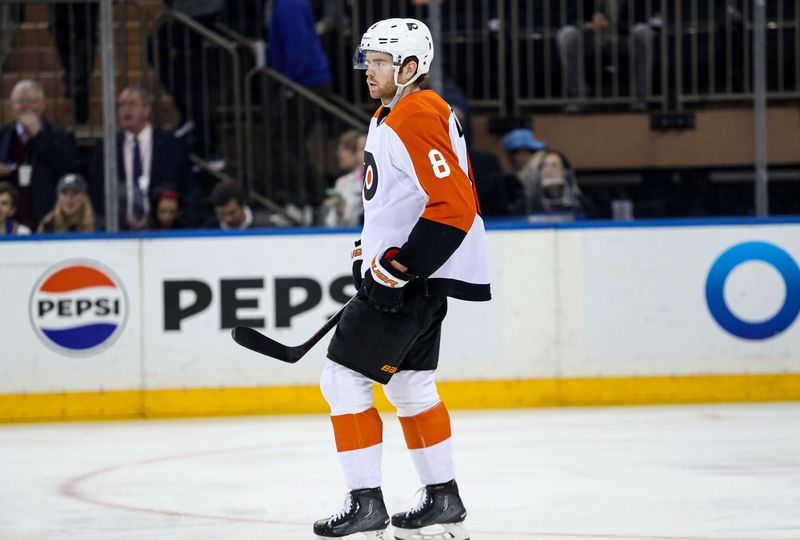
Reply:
x=650, y=473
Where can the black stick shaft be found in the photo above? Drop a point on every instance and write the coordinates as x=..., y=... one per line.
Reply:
x=256, y=341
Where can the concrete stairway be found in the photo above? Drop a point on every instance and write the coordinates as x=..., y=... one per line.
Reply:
x=33, y=56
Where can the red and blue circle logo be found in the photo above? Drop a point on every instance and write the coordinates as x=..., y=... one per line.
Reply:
x=78, y=308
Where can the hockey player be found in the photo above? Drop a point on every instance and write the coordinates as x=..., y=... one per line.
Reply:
x=422, y=241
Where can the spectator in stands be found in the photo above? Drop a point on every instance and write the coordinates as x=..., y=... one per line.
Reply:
x=75, y=34
x=712, y=31
x=8, y=206
x=295, y=51
x=180, y=70
x=491, y=182
x=166, y=210
x=525, y=153
x=73, y=211
x=559, y=191
x=34, y=153
x=610, y=19
x=147, y=159
x=232, y=210
x=344, y=206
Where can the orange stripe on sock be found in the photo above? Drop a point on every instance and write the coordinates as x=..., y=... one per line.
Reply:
x=428, y=428
x=356, y=431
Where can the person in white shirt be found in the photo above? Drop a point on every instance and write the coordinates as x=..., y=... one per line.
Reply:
x=344, y=207
x=148, y=158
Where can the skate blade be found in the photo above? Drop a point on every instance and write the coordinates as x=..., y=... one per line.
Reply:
x=377, y=535
x=444, y=531
x=369, y=535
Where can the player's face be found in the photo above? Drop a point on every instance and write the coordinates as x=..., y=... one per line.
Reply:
x=380, y=75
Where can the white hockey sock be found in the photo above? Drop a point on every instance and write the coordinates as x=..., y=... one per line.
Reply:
x=428, y=438
x=359, y=440
x=434, y=464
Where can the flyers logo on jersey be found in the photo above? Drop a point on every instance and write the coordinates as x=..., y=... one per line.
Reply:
x=78, y=308
x=370, y=176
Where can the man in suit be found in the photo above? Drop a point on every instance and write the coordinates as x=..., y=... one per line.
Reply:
x=34, y=153
x=147, y=158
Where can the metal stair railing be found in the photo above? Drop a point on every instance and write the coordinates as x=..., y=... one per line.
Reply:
x=333, y=105
x=9, y=23
x=299, y=177
x=219, y=93
x=712, y=55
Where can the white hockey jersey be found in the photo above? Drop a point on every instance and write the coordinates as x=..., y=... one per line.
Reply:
x=419, y=196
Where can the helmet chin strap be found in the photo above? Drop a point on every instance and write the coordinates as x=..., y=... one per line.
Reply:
x=400, y=88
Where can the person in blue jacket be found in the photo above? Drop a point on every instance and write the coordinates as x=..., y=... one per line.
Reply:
x=295, y=51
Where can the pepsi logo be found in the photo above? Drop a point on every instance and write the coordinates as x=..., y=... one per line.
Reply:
x=78, y=308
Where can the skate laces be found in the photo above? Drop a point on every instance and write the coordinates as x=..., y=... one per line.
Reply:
x=422, y=497
x=348, y=505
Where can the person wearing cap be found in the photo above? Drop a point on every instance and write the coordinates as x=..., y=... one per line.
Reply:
x=525, y=153
x=73, y=211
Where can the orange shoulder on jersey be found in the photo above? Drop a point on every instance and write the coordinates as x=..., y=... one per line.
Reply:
x=421, y=121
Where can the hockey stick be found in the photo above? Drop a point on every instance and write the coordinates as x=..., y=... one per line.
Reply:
x=254, y=340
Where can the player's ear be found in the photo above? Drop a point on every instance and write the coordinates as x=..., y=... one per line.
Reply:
x=410, y=67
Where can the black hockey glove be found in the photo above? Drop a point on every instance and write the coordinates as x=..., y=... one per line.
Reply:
x=384, y=284
x=356, y=257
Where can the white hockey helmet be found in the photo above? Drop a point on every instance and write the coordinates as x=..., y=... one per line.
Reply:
x=401, y=38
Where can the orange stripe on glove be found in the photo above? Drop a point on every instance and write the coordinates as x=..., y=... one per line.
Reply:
x=357, y=431
x=428, y=428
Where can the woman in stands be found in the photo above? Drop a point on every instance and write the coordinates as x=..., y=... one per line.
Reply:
x=73, y=211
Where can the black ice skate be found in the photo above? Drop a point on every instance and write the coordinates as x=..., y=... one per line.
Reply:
x=363, y=512
x=439, y=512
